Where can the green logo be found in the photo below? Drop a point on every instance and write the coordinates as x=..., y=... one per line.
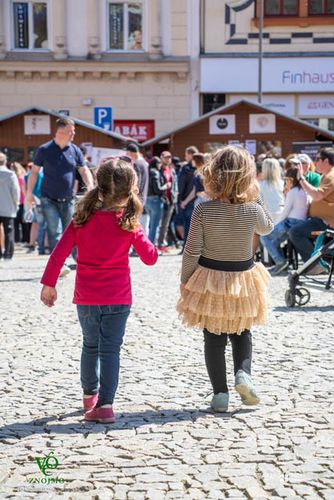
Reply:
x=48, y=462
x=46, y=465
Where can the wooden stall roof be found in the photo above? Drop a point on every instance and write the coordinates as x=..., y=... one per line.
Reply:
x=82, y=123
x=242, y=103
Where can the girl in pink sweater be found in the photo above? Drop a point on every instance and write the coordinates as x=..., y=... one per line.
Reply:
x=104, y=227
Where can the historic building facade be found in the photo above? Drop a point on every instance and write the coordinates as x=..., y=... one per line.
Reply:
x=298, y=56
x=75, y=55
x=162, y=63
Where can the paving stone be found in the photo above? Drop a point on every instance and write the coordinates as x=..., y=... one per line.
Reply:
x=166, y=442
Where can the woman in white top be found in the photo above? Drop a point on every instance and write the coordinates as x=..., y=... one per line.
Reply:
x=271, y=187
x=295, y=210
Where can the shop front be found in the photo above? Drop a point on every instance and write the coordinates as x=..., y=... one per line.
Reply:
x=257, y=128
x=297, y=87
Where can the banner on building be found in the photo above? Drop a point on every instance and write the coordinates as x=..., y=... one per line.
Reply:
x=262, y=123
x=310, y=148
x=222, y=124
x=37, y=125
x=139, y=130
x=316, y=105
x=98, y=154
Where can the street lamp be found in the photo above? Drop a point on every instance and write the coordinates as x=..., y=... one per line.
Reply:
x=259, y=84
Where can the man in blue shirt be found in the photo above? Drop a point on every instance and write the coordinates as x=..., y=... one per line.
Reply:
x=60, y=159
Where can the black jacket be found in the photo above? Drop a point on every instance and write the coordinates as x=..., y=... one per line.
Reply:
x=186, y=178
x=156, y=182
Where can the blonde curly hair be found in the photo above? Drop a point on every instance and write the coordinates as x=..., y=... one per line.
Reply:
x=231, y=176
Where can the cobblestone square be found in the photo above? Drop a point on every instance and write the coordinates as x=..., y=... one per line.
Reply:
x=166, y=442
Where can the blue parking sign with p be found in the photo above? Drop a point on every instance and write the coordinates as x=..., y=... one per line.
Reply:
x=103, y=117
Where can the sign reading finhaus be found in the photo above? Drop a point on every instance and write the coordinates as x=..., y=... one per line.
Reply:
x=280, y=74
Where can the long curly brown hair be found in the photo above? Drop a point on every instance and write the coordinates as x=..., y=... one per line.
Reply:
x=231, y=176
x=116, y=191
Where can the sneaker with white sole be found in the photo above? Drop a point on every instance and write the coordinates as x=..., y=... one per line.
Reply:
x=280, y=267
x=219, y=402
x=65, y=270
x=244, y=386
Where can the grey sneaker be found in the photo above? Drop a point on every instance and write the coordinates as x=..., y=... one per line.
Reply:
x=219, y=402
x=65, y=270
x=317, y=269
x=280, y=267
x=244, y=386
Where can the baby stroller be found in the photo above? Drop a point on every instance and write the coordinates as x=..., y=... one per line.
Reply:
x=297, y=293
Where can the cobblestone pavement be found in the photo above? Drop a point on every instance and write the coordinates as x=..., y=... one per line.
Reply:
x=166, y=443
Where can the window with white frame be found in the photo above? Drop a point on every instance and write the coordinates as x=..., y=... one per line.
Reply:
x=125, y=23
x=30, y=25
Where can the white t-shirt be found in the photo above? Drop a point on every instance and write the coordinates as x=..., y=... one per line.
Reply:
x=273, y=198
x=296, y=205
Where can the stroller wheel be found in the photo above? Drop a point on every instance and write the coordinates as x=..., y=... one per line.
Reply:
x=290, y=298
x=302, y=296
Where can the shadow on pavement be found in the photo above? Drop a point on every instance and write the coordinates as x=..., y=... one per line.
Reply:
x=56, y=424
x=21, y=279
x=304, y=308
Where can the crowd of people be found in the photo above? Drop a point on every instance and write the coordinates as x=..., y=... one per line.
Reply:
x=218, y=209
x=34, y=211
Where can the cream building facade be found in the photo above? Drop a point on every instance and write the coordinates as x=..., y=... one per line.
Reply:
x=74, y=55
x=166, y=61
x=298, y=56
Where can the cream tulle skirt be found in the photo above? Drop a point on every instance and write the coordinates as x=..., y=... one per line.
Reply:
x=225, y=302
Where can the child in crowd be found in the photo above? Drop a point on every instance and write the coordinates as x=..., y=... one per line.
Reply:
x=222, y=290
x=271, y=187
x=295, y=210
x=104, y=227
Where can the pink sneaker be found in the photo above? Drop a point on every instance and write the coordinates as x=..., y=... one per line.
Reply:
x=89, y=403
x=101, y=414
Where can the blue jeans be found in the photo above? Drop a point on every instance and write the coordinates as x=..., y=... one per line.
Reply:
x=41, y=230
x=273, y=240
x=56, y=212
x=154, y=207
x=300, y=235
x=186, y=215
x=103, y=329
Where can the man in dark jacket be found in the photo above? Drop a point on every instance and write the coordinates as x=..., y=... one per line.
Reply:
x=186, y=178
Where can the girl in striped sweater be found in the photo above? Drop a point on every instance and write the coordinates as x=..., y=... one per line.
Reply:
x=222, y=290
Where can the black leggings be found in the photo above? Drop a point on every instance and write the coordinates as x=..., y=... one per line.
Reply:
x=214, y=351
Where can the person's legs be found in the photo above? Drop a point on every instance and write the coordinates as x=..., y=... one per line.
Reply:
x=214, y=353
x=113, y=322
x=2, y=238
x=18, y=224
x=144, y=221
x=273, y=242
x=242, y=359
x=166, y=217
x=66, y=210
x=89, y=318
x=52, y=217
x=242, y=351
x=300, y=235
x=154, y=206
x=187, y=213
x=8, y=225
x=41, y=230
